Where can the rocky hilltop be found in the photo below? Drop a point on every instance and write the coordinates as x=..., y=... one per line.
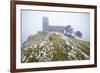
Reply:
x=54, y=46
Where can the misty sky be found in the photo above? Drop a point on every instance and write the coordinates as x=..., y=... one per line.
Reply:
x=32, y=22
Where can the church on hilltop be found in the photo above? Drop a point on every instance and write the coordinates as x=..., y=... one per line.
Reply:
x=49, y=28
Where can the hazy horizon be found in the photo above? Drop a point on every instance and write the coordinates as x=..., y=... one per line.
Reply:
x=32, y=22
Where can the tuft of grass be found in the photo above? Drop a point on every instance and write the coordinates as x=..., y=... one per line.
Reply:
x=57, y=40
x=85, y=46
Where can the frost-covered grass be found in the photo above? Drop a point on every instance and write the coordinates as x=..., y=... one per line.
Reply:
x=46, y=47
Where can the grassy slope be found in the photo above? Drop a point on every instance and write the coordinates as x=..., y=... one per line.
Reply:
x=58, y=53
x=85, y=46
x=37, y=37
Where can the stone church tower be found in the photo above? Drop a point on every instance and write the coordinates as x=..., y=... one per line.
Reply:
x=48, y=28
x=45, y=24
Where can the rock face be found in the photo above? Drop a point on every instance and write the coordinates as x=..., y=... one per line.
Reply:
x=54, y=46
